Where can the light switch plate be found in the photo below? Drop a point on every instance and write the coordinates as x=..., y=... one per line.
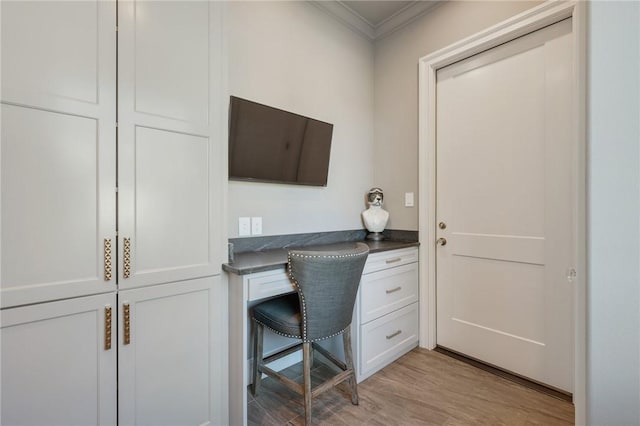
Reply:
x=256, y=226
x=408, y=199
x=244, y=226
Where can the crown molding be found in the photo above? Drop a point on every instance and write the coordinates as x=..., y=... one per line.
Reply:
x=347, y=16
x=404, y=16
x=352, y=19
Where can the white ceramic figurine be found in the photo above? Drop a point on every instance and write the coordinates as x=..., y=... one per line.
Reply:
x=375, y=217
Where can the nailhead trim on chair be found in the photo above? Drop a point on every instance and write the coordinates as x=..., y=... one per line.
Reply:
x=276, y=331
x=298, y=337
x=301, y=294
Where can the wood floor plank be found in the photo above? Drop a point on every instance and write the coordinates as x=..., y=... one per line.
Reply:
x=256, y=415
x=421, y=388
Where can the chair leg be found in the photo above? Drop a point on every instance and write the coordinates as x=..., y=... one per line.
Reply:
x=258, y=335
x=348, y=354
x=306, y=365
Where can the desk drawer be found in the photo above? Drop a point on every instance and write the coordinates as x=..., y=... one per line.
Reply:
x=385, y=291
x=390, y=259
x=269, y=284
x=387, y=338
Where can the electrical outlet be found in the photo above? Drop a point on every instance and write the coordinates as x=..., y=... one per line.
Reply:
x=244, y=226
x=256, y=226
x=408, y=199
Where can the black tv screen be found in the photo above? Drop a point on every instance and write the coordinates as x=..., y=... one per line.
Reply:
x=267, y=144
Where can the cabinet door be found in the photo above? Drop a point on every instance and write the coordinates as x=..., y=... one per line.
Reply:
x=169, y=360
x=58, y=150
x=59, y=363
x=169, y=141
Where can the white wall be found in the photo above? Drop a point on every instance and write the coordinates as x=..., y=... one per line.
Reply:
x=613, y=289
x=293, y=56
x=396, y=92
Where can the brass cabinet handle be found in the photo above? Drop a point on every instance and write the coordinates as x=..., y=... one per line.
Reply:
x=393, y=290
x=392, y=335
x=127, y=323
x=126, y=257
x=107, y=259
x=397, y=259
x=107, y=328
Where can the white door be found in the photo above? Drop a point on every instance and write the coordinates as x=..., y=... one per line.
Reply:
x=58, y=150
x=504, y=206
x=166, y=354
x=59, y=363
x=168, y=221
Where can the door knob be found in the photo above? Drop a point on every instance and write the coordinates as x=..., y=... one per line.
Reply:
x=441, y=241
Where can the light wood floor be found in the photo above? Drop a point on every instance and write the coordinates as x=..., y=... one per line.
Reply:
x=421, y=388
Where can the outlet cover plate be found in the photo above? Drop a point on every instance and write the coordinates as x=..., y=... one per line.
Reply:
x=244, y=226
x=408, y=199
x=256, y=226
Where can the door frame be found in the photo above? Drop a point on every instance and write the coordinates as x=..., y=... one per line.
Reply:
x=531, y=20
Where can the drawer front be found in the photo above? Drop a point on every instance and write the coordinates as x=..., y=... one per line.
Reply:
x=385, y=291
x=390, y=259
x=269, y=284
x=387, y=338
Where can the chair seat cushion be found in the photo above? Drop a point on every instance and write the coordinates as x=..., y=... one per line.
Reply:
x=281, y=314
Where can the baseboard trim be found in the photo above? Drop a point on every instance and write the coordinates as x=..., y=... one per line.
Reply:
x=556, y=393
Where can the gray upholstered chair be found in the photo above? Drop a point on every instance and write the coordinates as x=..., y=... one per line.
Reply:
x=326, y=283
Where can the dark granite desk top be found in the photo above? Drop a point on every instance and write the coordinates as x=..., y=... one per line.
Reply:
x=267, y=260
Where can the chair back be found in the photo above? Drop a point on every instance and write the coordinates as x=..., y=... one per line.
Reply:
x=327, y=284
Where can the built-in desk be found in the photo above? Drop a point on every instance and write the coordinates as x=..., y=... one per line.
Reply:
x=385, y=321
x=267, y=260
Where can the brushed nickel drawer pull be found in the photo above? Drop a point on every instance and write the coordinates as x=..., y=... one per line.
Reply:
x=392, y=335
x=393, y=290
x=394, y=260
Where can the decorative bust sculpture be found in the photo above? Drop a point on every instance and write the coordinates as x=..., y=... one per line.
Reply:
x=375, y=217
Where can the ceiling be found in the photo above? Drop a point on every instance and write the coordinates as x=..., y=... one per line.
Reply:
x=376, y=19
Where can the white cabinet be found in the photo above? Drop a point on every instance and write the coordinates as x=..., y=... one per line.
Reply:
x=387, y=310
x=111, y=170
x=60, y=151
x=169, y=355
x=58, y=167
x=169, y=140
x=59, y=363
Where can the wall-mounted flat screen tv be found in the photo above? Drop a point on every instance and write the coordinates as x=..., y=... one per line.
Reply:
x=267, y=144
